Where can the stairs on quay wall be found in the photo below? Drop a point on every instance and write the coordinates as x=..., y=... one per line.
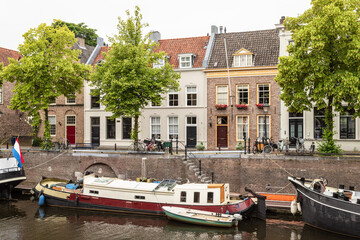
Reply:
x=192, y=164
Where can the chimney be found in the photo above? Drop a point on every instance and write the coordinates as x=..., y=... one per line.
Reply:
x=100, y=41
x=214, y=29
x=221, y=28
x=81, y=42
x=282, y=20
x=155, y=36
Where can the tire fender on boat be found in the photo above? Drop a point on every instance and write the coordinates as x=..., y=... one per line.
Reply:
x=293, y=207
x=42, y=200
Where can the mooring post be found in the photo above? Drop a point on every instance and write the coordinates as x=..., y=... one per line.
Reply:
x=177, y=145
x=185, y=152
x=212, y=177
x=245, y=145
x=115, y=146
x=200, y=167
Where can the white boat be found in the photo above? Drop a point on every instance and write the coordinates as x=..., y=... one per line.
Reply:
x=10, y=176
x=113, y=194
x=199, y=217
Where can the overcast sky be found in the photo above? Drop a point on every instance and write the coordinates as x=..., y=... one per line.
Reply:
x=173, y=19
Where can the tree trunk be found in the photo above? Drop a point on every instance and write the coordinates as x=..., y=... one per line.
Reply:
x=329, y=120
x=136, y=128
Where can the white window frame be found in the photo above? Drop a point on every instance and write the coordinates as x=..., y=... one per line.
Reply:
x=222, y=92
x=159, y=64
x=258, y=93
x=153, y=124
x=191, y=92
x=241, y=87
x=261, y=126
x=240, y=127
x=1, y=95
x=52, y=123
x=244, y=60
x=172, y=92
x=185, y=60
x=70, y=103
x=173, y=124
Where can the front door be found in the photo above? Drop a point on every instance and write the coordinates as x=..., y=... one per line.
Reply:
x=70, y=134
x=95, y=131
x=222, y=131
x=295, y=130
x=191, y=136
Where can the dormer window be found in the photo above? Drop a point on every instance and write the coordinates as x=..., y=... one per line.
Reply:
x=160, y=63
x=243, y=58
x=186, y=60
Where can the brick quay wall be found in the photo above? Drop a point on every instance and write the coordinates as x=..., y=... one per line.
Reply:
x=261, y=173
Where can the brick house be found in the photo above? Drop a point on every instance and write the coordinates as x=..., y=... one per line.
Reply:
x=241, y=70
x=66, y=115
x=12, y=122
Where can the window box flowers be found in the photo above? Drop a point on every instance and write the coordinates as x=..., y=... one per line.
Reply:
x=241, y=106
x=260, y=105
x=220, y=106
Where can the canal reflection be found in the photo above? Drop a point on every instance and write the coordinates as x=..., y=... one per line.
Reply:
x=23, y=219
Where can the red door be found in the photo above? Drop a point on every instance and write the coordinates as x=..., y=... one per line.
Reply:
x=70, y=134
x=222, y=140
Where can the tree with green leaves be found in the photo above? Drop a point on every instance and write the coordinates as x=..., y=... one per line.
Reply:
x=81, y=30
x=323, y=66
x=47, y=69
x=126, y=81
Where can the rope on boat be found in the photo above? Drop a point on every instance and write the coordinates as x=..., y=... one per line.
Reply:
x=46, y=161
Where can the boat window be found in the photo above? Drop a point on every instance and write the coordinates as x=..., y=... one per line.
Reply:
x=183, y=197
x=210, y=197
x=196, y=197
x=139, y=197
x=94, y=192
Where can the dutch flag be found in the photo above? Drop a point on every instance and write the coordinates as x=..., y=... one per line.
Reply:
x=16, y=151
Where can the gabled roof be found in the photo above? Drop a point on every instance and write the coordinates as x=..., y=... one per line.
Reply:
x=100, y=54
x=264, y=44
x=193, y=45
x=6, y=53
x=86, y=51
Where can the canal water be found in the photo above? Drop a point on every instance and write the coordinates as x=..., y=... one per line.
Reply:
x=23, y=219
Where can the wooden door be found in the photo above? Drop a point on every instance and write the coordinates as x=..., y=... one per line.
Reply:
x=70, y=134
x=191, y=136
x=222, y=140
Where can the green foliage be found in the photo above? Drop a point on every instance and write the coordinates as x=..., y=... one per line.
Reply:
x=323, y=66
x=239, y=146
x=127, y=82
x=80, y=30
x=36, y=142
x=48, y=69
x=328, y=144
x=200, y=146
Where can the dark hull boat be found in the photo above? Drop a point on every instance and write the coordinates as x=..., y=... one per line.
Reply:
x=10, y=176
x=331, y=209
x=112, y=194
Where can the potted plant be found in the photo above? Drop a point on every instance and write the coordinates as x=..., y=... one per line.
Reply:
x=220, y=106
x=241, y=106
x=200, y=146
x=239, y=146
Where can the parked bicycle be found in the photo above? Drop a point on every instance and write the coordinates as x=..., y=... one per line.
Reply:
x=258, y=146
x=138, y=146
x=300, y=146
x=283, y=143
x=153, y=145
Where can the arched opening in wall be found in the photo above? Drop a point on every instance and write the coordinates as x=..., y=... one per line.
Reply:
x=101, y=170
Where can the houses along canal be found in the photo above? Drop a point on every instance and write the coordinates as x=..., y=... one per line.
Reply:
x=23, y=219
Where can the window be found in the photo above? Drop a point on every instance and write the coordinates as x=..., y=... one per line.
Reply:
x=52, y=123
x=1, y=95
x=185, y=61
x=196, y=197
x=347, y=125
x=139, y=197
x=95, y=102
x=173, y=98
x=154, y=104
x=70, y=99
x=243, y=58
x=183, y=197
x=191, y=120
x=264, y=93
x=110, y=128
x=242, y=127
x=242, y=94
x=191, y=96
x=126, y=128
x=70, y=120
x=222, y=120
x=94, y=192
x=173, y=128
x=155, y=128
x=319, y=122
x=52, y=101
x=210, y=197
x=159, y=64
x=222, y=95
x=264, y=129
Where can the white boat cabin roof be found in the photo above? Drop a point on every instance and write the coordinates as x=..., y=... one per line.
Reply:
x=165, y=185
